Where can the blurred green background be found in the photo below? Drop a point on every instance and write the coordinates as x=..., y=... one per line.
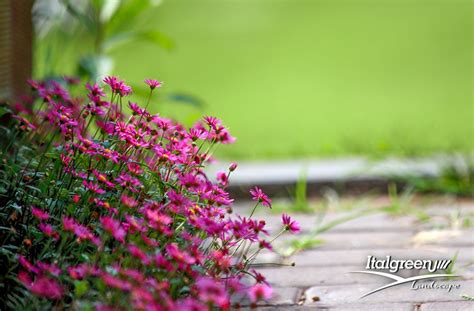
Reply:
x=294, y=78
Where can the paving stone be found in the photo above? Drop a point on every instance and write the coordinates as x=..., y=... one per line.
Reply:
x=348, y=307
x=285, y=295
x=278, y=172
x=281, y=308
x=311, y=276
x=451, y=306
x=341, y=295
x=444, y=237
x=325, y=271
x=368, y=223
x=334, y=240
x=437, y=306
x=464, y=207
x=280, y=296
x=371, y=307
x=358, y=257
x=354, y=240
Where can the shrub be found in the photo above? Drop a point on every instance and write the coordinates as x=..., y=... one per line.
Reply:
x=105, y=210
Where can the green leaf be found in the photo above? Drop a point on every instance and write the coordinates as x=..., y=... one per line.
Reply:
x=83, y=18
x=94, y=66
x=152, y=36
x=33, y=188
x=80, y=288
x=184, y=290
x=127, y=14
x=184, y=98
x=4, y=110
x=158, y=38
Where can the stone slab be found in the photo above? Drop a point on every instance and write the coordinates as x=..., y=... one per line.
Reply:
x=340, y=295
x=370, y=223
x=348, y=307
x=281, y=296
x=311, y=276
x=277, y=172
x=451, y=306
x=358, y=257
x=334, y=240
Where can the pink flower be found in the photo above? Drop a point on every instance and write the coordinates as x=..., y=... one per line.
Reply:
x=78, y=272
x=139, y=179
x=153, y=84
x=49, y=231
x=128, y=201
x=265, y=244
x=223, y=136
x=134, y=168
x=190, y=304
x=259, y=291
x=232, y=166
x=260, y=278
x=93, y=187
x=129, y=182
x=179, y=255
x=25, y=124
x=102, y=178
x=76, y=198
x=212, y=122
x=72, y=80
x=102, y=307
x=258, y=195
x=136, y=109
x=95, y=92
x=113, y=227
x=211, y=291
x=38, y=213
x=42, y=286
x=68, y=224
x=133, y=274
x=82, y=232
x=195, y=134
x=51, y=268
x=114, y=282
x=27, y=265
x=65, y=160
x=135, y=251
x=222, y=178
x=290, y=225
x=118, y=86
x=134, y=224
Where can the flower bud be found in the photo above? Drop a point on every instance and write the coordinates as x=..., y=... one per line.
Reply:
x=232, y=167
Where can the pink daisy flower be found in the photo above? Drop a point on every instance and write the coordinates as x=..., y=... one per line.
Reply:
x=259, y=292
x=290, y=225
x=42, y=286
x=113, y=227
x=38, y=213
x=259, y=196
x=153, y=84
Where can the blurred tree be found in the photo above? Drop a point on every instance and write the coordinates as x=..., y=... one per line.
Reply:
x=98, y=27
x=15, y=47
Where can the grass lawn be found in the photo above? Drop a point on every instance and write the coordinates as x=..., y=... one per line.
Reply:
x=319, y=78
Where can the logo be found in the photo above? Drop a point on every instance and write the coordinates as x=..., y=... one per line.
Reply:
x=395, y=265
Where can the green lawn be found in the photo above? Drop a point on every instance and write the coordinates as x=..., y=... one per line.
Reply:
x=295, y=78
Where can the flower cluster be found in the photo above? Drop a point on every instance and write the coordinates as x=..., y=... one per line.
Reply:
x=113, y=211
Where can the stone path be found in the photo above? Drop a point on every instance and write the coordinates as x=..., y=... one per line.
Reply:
x=345, y=174
x=322, y=280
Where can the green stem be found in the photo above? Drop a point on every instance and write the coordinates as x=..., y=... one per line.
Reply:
x=253, y=210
